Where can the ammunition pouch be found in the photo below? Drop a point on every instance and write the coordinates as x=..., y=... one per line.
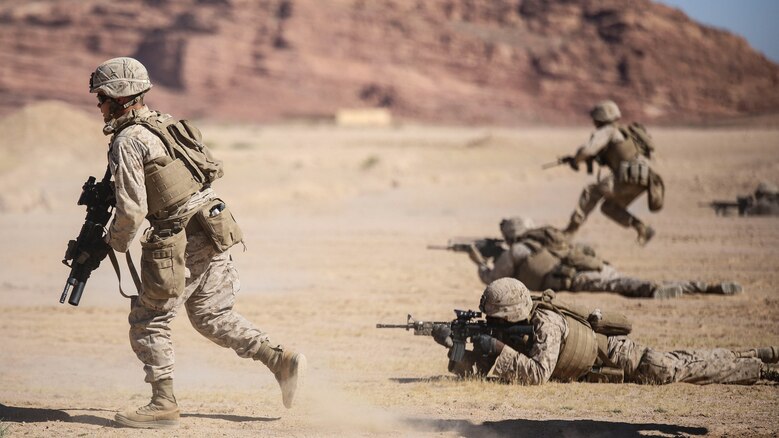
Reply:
x=560, y=278
x=634, y=172
x=168, y=185
x=219, y=224
x=656, y=192
x=163, y=263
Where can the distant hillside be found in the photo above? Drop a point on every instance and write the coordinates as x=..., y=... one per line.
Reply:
x=452, y=61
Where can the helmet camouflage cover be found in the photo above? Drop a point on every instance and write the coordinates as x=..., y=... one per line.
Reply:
x=120, y=77
x=766, y=188
x=515, y=226
x=506, y=298
x=606, y=111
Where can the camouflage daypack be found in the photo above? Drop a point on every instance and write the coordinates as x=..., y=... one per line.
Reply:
x=183, y=140
x=640, y=137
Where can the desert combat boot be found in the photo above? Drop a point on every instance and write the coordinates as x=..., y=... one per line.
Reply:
x=162, y=412
x=287, y=366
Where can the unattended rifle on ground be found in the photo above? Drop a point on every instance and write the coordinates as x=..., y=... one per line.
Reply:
x=722, y=208
x=80, y=255
x=463, y=328
x=488, y=247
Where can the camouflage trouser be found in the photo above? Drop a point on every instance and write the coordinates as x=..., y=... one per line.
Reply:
x=616, y=198
x=647, y=366
x=609, y=280
x=208, y=297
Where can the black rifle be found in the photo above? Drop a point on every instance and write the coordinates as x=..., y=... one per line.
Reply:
x=488, y=247
x=463, y=328
x=568, y=159
x=722, y=208
x=100, y=201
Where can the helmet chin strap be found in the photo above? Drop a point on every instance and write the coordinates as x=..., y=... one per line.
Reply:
x=115, y=107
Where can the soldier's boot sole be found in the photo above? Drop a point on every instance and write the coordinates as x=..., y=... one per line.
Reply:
x=645, y=236
x=158, y=420
x=666, y=292
x=291, y=377
x=727, y=288
x=768, y=354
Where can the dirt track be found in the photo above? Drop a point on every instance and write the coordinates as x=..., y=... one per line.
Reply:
x=336, y=222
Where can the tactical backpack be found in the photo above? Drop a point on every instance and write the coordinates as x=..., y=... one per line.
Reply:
x=183, y=140
x=639, y=135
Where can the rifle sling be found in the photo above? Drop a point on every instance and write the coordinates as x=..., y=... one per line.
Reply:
x=133, y=272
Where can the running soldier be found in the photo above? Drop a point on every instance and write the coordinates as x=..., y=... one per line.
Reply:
x=162, y=172
x=626, y=151
x=544, y=258
x=574, y=344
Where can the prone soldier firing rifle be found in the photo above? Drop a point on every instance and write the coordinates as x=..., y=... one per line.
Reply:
x=489, y=247
x=455, y=334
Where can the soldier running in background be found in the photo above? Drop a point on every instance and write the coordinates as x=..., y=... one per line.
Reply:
x=626, y=151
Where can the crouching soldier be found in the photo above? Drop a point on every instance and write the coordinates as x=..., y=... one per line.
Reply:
x=573, y=344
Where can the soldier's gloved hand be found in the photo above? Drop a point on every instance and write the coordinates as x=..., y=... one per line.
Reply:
x=571, y=161
x=475, y=255
x=97, y=251
x=487, y=345
x=442, y=334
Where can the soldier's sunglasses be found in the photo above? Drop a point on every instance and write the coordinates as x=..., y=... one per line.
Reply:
x=101, y=98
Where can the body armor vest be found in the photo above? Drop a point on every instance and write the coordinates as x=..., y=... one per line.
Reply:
x=618, y=151
x=536, y=267
x=577, y=353
x=187, y=168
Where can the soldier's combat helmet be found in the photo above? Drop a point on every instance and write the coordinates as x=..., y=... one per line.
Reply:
x=120, y=77
x=515, y=226
x=605, y=112
x=766, y=188
x=506, y=298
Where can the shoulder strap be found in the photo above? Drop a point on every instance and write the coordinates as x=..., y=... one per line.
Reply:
x=133, y=272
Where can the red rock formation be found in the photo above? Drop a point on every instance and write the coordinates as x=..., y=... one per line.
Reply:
x=472, y=61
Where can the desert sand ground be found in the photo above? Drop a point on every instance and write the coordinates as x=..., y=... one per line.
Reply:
x=336, y=223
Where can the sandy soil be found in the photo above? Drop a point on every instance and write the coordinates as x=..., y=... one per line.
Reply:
x=337, y=221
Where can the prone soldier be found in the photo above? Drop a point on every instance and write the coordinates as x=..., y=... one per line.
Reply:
x=544, y=258
x=764, y=202
x=569, y=343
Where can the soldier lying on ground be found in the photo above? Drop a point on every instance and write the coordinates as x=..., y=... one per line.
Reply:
x=764, y=202
x=545, y=258
x=565, y=347
x=163, y=172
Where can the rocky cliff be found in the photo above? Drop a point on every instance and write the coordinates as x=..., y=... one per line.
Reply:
x=452, y=61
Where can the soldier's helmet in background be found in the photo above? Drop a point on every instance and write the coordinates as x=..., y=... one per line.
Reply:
x=515, y=226
x=506, y=298
x=120, y=77
x=605, y=112
x=766, y=189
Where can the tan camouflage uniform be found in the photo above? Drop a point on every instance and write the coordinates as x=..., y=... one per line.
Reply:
x=617, y=196
x=212, y=280
x=606, y=279
x=641, y=364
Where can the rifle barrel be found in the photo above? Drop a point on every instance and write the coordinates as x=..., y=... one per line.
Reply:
x=440, y=247
x=403, y=326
